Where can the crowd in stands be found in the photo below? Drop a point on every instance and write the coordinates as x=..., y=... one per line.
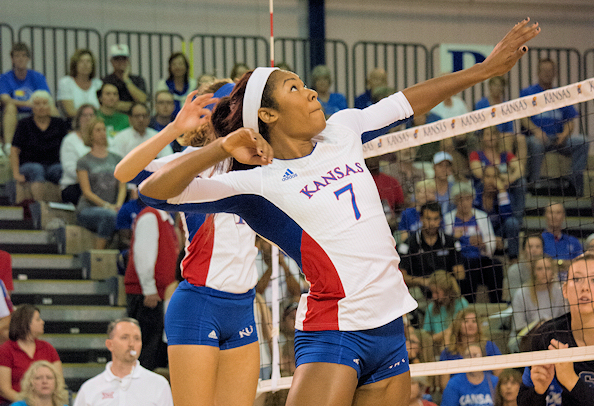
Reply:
x=456, y=208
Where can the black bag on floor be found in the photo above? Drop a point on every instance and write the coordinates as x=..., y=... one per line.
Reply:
x=561, y=186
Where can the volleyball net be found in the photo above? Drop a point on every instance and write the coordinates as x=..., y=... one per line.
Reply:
x=499, y=280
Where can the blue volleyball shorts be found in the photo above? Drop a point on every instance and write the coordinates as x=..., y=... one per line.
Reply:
x=375, y=354
x=198, y=315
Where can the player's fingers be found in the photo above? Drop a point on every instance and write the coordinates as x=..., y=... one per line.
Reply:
x=190, y=97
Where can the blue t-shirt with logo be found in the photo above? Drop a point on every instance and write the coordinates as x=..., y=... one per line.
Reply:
x=551, y=122
x=460, y=392
x=21, y=90
x=566, y=247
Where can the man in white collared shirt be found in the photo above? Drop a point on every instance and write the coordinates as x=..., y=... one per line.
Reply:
x=124, y=382
x=138, y=132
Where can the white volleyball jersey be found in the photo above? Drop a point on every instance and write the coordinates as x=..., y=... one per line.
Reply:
x=220, y=250
x=324, y=211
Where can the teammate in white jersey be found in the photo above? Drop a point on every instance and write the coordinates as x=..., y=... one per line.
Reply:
x=318, y=202
x=211, y=331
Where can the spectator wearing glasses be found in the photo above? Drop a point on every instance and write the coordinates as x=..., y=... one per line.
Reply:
x=138, y=132
x=164, y=106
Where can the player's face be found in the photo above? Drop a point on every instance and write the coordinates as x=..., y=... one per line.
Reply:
x=44, y=382
x=509, y=390
x=125, y=338
x=578, y=289
x=543, y=271
x=300, y=114
x=470, y=325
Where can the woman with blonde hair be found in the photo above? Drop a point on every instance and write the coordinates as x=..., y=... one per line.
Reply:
x=446, y=302
x=466, y=330
x=42, y=385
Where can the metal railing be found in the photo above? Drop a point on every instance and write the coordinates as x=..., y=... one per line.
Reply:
x=149, y=53
x=6, y=41
x=405, y=64
x=295, y=52
x=52, y=47
x=217, y=54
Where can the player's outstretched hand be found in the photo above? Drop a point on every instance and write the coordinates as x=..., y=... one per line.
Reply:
x=248, y=147
x=194, y=112
x=511, y=48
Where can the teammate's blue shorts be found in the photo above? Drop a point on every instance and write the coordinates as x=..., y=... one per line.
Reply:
x=375, y=354
x=198, y=315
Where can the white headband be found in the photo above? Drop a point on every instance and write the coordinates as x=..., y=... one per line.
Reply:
x=252, y=99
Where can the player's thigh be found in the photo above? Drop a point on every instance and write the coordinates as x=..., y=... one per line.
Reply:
x=393, y=391
x=322, y=384
x=237, y=377
x=193, y=370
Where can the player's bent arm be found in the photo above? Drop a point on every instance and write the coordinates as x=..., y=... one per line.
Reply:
x=424, y=96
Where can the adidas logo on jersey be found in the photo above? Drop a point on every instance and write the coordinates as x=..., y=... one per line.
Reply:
x=289, y=174
x=213, y=335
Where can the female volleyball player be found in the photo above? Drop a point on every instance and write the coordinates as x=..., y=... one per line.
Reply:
x=210, y=327
x=318, y=202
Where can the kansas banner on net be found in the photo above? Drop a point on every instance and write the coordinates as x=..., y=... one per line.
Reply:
x=501, y=113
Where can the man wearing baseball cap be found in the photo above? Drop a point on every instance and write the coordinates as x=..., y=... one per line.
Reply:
x=442, y=165
x=131, y=88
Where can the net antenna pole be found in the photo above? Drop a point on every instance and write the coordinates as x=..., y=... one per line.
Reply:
x=275, y=257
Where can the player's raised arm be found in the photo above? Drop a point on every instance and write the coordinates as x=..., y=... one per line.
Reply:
x=424, y=96
x=244, y=145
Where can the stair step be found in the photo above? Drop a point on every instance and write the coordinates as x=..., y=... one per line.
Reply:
x=76, y=341
x=56, y=299
x=28, y=241
x=30, y=248
x=41, y=273
x=17, y=224
x=45, y=261
x=84, y=356
x=76, y=327
x=81, y=313
x=61, y=287
x=11, y=213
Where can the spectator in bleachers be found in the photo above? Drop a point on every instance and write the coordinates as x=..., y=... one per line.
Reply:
x=508, y=386
x=418, y=387
x=400, y=165
x=321, y=81
x=237, y=71
x=126, y=216
x=42, y=385
x=80, y=86
x=442, y=167
x=390, y=191
x=16, y=87
x=179, y=83
x=124, y=380
x=35, y=151
x=427, y=151
x=6, y=309
x=204, y=81
x=553, y=131
x=376, y=78
x=131, y=88
x=492, y=198
x=446, y=302
x=557, y=244
x=466, y=330
x=513, y=142
x=492, y=152
x=463, y=389
x=410, y=221
x=151, y=268
x=474, y=230
x=6, y=271
x=102, y=194
x=22, y=349
x=429, y=249
x=540, y=299
x=164, y=106
x=519, y=274
x=113, y=119
x=138, y=132
x=72, y=149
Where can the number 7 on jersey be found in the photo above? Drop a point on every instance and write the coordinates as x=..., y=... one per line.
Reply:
x=349, y=188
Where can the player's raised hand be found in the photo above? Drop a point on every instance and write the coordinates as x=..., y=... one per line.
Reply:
x=194, y=112
x=511, y=48
x=248, y=147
